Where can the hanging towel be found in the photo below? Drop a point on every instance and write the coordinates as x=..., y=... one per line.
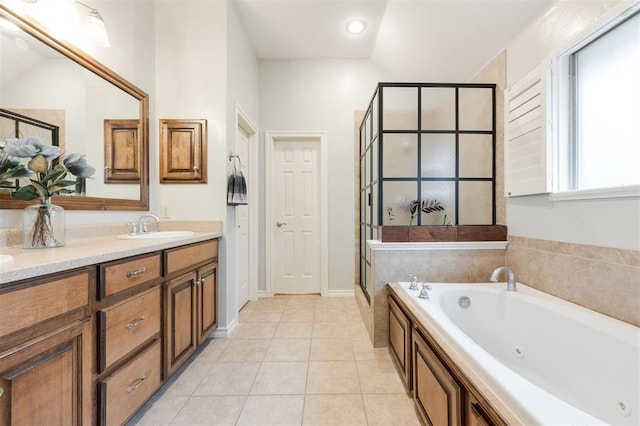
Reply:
x=237, y=189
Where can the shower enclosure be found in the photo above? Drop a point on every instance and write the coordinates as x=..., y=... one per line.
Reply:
x=427, y=165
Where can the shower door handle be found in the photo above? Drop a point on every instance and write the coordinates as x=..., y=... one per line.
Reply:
x=280, y=224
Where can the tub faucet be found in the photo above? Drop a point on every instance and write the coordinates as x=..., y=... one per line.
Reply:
x=142, y=223
x=511, y=281
x=414, y=282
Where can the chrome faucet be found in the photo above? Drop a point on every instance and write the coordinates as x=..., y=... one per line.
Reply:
x=142, y=223
x=511, y=281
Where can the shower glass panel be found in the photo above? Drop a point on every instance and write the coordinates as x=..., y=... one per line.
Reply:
x=444, y=193
x=400, y=108
x=398, y=196
x=476, y=109
x=476, y=156
x=475, y=203
x=438, y=108
x=425, y=141
x=438, y=156
x=400, y=153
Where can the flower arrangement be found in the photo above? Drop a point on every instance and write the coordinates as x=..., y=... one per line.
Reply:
x=45, y=180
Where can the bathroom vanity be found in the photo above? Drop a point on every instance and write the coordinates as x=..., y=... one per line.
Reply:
x=105, y=322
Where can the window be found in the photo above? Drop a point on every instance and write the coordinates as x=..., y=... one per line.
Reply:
x=597, y=120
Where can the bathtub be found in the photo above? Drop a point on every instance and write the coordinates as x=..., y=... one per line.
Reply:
x=549, y=361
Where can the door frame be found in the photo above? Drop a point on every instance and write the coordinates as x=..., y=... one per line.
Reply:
x=271, y=137
x=243, y=121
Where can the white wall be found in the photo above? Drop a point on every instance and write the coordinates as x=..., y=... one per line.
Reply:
x=610, y=223
x=242, y=90
x=322, y=95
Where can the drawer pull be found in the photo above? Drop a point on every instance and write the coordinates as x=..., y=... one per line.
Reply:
x=136, y=385
x=136, y=322
x=130, y=274
x=1, y=391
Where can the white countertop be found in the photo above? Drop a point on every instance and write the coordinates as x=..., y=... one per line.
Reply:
x=29, y=263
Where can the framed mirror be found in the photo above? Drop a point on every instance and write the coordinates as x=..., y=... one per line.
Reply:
x=49, y=81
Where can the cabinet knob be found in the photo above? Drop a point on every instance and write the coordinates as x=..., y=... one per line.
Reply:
x=1, y=391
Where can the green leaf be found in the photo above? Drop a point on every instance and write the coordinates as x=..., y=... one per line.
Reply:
x=42, y=190
x=58, y=172
x=65, y=183
x=26, y=193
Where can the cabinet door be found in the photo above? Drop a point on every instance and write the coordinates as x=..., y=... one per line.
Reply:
x=48, y=380
x=400, y=341
x=207, y=301
x=437, y=395
x=180, y=320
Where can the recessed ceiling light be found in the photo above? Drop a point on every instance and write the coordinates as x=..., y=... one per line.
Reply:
x=356, y=26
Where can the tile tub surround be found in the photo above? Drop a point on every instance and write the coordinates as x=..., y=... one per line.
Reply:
x=606, y=280
x=294, y=360
x=432, y=262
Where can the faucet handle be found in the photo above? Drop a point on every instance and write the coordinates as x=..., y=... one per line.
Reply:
x=134, y=228
x=414, y=282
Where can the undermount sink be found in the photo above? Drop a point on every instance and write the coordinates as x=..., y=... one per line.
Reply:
x=5, y=258
x=154, y=235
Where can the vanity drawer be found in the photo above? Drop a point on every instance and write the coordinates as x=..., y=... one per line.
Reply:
x=185, y=257
x=126, y=325
x=119, y=276
x=122, y=393
x=27, y=306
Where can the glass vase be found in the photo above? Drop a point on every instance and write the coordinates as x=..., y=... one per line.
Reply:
x=43, y=225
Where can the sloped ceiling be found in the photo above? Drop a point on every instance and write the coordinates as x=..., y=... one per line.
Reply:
x=413, y=40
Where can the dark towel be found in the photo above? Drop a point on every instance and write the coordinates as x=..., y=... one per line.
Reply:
x=237, y=189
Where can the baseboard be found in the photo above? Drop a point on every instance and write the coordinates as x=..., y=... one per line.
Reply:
x=340, y=293
x=262, y=293
x=222, y=332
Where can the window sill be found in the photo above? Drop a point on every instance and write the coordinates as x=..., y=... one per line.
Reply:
x=594, y=194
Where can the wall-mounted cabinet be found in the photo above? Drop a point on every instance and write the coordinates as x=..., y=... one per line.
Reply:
x=183, y=151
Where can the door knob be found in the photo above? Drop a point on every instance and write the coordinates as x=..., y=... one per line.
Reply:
x=280, y=224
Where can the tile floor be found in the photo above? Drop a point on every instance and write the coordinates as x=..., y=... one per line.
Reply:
x=294, y=360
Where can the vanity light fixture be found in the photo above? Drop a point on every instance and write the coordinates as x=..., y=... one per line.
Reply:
x=356, y=26
x=95, y=27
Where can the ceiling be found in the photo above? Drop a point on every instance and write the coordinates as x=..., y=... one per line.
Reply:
x=413, y=40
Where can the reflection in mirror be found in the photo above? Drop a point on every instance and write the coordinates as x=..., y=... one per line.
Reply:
x=45, y=80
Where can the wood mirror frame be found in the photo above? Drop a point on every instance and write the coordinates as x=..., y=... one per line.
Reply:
x=86, y=61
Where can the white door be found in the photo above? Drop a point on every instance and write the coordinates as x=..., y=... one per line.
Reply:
x=295, y=204
x=242, y=222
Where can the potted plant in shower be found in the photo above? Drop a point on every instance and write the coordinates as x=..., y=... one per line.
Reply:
x=33, y=158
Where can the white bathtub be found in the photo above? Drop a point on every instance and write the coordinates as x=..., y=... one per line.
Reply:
x=550, y=361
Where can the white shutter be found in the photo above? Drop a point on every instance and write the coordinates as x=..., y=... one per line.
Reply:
x=527, y=160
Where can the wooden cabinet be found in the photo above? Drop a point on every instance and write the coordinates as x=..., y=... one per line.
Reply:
x=46, y=351
x=476, y=414
x=183, y=151
x=129, y=348
x=191, y=299
x=437, y=395
x=92, y=345
x=400, y=342
x=191, y=314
